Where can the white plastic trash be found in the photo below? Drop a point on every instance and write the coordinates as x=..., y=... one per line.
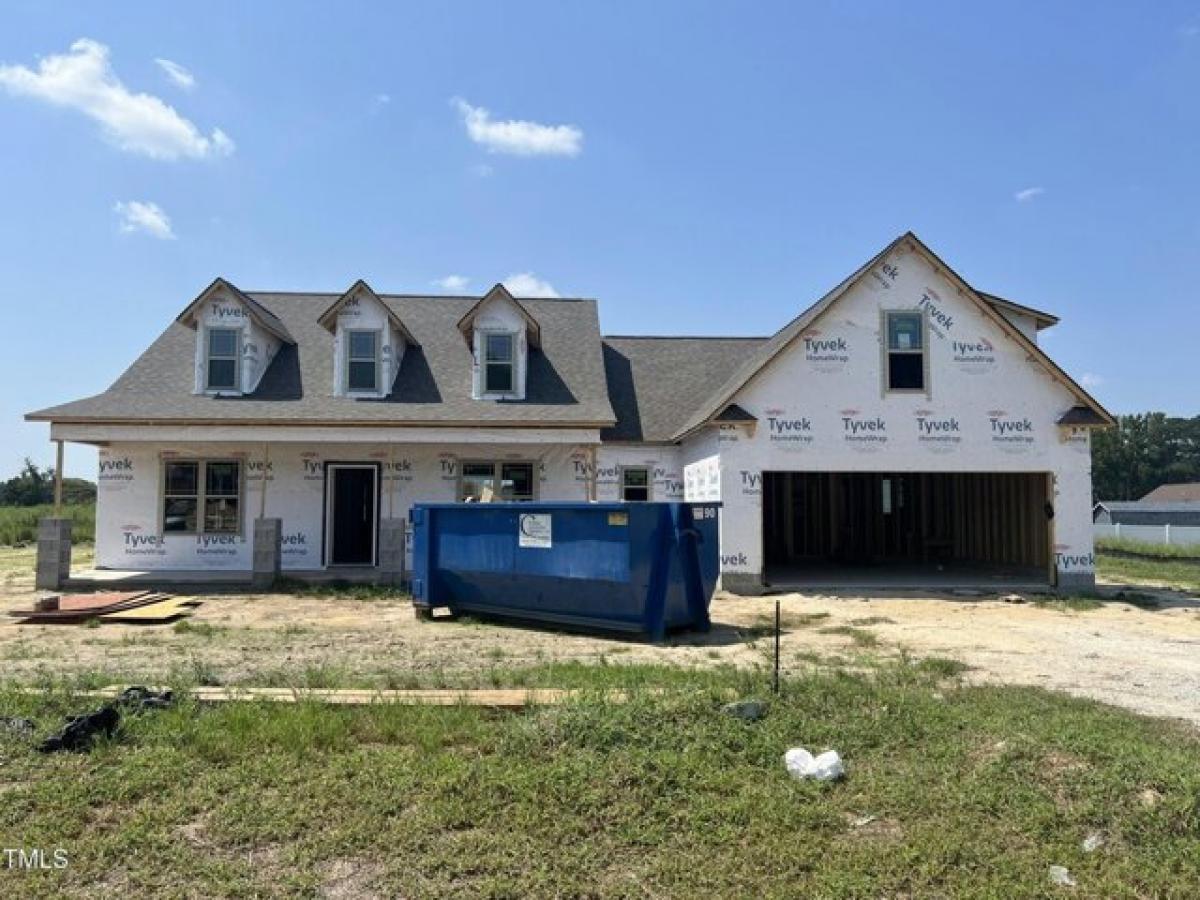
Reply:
x=801, y=764
x=1061, y=876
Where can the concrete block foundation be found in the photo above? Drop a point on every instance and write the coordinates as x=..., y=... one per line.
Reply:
x=53, y=554
x=268, y=552
x=391, y=551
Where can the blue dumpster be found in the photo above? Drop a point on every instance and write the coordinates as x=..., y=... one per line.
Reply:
x=644, y=568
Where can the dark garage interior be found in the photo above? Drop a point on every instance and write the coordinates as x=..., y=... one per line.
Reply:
x=960, y=529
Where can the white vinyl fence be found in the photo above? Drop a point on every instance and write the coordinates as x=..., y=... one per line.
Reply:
x=1151, y=534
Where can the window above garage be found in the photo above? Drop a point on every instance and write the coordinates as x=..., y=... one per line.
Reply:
x=906, y=360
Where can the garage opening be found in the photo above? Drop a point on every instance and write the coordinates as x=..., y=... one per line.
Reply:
x=899, y=529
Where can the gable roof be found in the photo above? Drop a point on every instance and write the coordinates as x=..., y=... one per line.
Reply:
x=1187, y=492
x=262, y=316
x=328, y=319
x=1041, y=319
x=783, y=338
x=565, y=384
x=499, y=291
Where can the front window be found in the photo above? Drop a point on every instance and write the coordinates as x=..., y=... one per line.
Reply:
x=498, y=368
x=905, y=351
x=202, y=497
x=487, y=482
x=635, y=483
x=362, y=370
x=222, y=362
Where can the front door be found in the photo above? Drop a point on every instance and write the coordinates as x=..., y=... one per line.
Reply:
x=351, y=516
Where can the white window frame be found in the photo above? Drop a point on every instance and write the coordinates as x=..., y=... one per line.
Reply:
x=201, y=495
x=236, y=387
x=887, y=351
x=621, y=485
x=484, y=388
x=377, y=335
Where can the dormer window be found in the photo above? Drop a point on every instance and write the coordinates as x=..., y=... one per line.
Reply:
x=499, y=376
x=222, y=364
x=362, y=361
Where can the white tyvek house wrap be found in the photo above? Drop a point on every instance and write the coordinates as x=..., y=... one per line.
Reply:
x=666, y=475
x=499, y=315
x=258, y=346
x=821, y=406
x=129, y=495
x=362, y=312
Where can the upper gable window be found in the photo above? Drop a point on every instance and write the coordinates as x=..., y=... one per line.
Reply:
x=499, y=363
x=906, y=351
x=222, y=362
x=362, y=361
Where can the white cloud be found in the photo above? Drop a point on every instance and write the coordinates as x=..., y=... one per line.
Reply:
x=180, y=76
x=1029, y=193
x=453, y=282
x=84, y=81
x=1189, y=31
x=1091, y=381
x=526, y=284
x=483, y=170
x=146, y=217
x=379, y=101
x=518, y=137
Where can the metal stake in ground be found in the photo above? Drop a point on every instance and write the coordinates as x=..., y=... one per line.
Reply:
x=775, y=686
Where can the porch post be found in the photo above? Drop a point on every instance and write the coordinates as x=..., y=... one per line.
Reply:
x=262, y=498
x=58, y=478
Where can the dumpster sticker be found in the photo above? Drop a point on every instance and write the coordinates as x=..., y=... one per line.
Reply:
x=534, y=530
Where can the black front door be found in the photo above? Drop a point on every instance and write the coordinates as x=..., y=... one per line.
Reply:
x=352, y=515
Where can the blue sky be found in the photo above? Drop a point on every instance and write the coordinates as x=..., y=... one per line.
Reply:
x=699, y=168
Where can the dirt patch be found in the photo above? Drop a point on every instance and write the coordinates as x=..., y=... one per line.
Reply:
x=1147, y=660
x=350, y=879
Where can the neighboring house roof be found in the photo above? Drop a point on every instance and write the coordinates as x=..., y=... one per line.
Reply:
x=533, y=330
x=655, y=383
x=260, y=314
x=329, y=318
x=1171, y=493
x=783, y=338
x=1042, y=320
x=565, y=382
x=1149, y=507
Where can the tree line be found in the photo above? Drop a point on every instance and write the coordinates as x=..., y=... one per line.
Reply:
x=34, y=487
x=1142, y=452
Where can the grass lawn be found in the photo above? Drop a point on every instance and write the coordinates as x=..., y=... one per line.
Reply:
x=1170, y=571
x=951, y=790
x=19, y=524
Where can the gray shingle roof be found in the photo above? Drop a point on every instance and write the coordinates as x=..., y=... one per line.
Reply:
x=565, y=384
x=656, y=383
x=1174, y=493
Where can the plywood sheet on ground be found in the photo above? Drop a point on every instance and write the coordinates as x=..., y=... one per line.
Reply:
x=159, y=611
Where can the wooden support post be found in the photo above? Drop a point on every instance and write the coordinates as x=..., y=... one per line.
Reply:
x=58, y=478
x=262, y=497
